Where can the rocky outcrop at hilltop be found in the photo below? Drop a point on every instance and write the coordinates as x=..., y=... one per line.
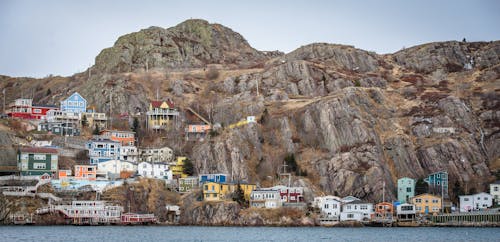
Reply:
x=193, y=43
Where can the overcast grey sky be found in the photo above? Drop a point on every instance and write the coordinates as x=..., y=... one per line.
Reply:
x=38, y=38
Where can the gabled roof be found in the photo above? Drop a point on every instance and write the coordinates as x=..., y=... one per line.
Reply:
x=157, y=104
x=42, y=150
x=358, y=202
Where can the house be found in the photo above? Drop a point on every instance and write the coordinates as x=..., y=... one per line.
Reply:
x=384, y=210
x=74, y=104
x=114, y=168
x=21, y=108
x=406, y=212
x=213, y=191
x=95, y=118
x=329, y=206
x=39, y=111
x=62, y=116
x=265, y=198
x=101, y=150
x=290, y=194
x=426, y=203
x=85, y=172
x=60, y=128
x=126, y=138
x=187, y=184
x=218, y=178
x=357, y=210
x=129, y=153
x=161, y=154
x=198, y=127
x=495, y=191
x=63, y=174
x=178, y=168
x=475, y=202
x=160, y=114
x=406, y=189
x=36, y=161
x=154, y=170
x=438, y=183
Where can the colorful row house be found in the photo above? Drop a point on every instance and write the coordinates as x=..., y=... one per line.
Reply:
x=160, y=114
x=25, y=109
x=126, y=138
x=74, y=104
x=160, y=154
x=37, y=161
x=198, y=127
x=218, y=178
x=357, y=210
x=475, y=202
x=85, y=172
x=95, y=119
x=495, y=191
x=406, y=189
x=427, y=204
x=438, y=183
x=290, y=194
x=101, y=150
x=406, y=212
x=384, y=211
x=221, y=191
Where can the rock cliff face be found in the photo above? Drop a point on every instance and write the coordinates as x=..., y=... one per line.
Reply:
x=354, y=120
x=193, y=43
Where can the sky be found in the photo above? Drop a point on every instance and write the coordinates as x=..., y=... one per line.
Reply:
x=56, y=37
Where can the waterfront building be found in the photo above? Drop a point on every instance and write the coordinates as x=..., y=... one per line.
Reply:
x=36, y=161
x=161, y=154
x=218, y=178
x=406, y=189
x=475, y=202
x=406, y=212
x=265, y=198
x=290, y=194
x=427, y=203
x=213, y=191
x=384, y=210
x=357, y=210
x=329, y=206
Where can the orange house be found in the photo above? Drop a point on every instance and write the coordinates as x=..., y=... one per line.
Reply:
x=61, y=174
x=126, y=138
x=384, y=210
x=84, y=172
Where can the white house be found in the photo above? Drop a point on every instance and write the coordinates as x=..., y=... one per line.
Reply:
x=162, y=154
x=329, y=206
x=357, y=211
x=265, y=198
x=495, y=191
x=475, y=202
x=129, y=153
x=112, y=168
x=406, y=212
x=154, y=170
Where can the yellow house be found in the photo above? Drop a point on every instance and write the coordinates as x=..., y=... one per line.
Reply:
x=178, y=168
x=213, y=191
x=160, y=114
x=426, y=203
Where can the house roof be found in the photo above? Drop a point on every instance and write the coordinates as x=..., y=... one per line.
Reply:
x=496, y=182
x=38, y=150
x=358, y=202
x=157, y=104
x=44, y=106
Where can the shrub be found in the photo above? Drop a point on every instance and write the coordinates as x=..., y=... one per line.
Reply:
x=212, y=73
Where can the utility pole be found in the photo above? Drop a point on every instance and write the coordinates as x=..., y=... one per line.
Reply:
x=383, y=191
x=110, y=110
x=4, y=99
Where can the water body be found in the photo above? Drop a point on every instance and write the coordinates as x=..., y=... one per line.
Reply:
x=194, y=233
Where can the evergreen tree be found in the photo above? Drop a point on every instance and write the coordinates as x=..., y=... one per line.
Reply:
x=48, y=92
x=421, y=187
x=135, y=125
x=291, y=163
x=239, y=196
x=188, y=167
x=96, y=130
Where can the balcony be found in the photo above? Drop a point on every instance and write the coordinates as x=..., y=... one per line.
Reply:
x=166, y=112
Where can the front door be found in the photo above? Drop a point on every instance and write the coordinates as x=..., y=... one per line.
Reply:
x=426, y=209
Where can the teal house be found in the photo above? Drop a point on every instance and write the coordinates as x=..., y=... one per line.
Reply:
x=438, y=183
x=406, y=189
x=36, y=161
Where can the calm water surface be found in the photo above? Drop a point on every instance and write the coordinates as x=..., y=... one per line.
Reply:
x=148, y=233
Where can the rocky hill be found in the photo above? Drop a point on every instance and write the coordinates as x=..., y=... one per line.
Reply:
x=352, y=119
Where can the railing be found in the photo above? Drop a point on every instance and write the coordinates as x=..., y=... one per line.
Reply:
x=164, y=112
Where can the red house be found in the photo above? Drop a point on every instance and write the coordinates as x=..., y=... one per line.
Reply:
x=39, y=111
x=25, y=109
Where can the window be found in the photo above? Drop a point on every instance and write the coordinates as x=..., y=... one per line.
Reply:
x=408, y=189
x=434, y=201
x=206, y=187
x=419, y=208
x=485, y=198
x=495, y=189
x=350, y=215
x=326, y=206
x=478, y=198
x=36, y=110
x=363, y=207
x=466, y=199
x=435, y=209
x=38, y=165
x=39, y=157
x=418, y=200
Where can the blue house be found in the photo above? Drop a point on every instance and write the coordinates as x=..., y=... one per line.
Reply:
x=101, y=150
x=74, y=104
x=218, y=178
x=438, y=183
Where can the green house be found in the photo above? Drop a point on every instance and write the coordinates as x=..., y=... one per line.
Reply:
x=406, y=189
x=36, y=161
